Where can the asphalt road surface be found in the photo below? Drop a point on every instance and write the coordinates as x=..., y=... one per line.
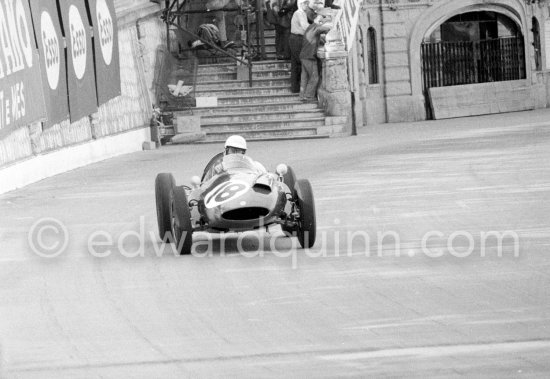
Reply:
x=432, y=259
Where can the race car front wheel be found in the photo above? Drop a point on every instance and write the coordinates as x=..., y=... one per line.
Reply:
x=164, y=192
x=307, y=226
x=290, y=179
x=182, y=228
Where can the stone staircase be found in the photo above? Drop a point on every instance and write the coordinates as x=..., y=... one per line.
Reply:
x=266, y=111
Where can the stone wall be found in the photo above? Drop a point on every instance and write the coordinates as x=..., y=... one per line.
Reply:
x=140, y=32
x=482, y=98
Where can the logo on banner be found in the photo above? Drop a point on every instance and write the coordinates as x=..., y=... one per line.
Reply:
x=16, y=44
x=105, y=26
x=78, y=42
x=50, y=44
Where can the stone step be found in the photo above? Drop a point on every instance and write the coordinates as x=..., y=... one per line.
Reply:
x=233, y=76
x=263, y=133
x=269, y=39
x=267, y=32
x=269, y=44
x=268, y=47
x=255, y=125
x=214, y=139
x=258, y=100
x=260, y=116
x=291, y=106
x=245, y=91
x=269, y=55
x=269, y=82
x=268, y=65
x=212, y=57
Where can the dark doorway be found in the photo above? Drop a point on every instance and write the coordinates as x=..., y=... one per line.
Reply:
x=536, y=44
x=475, y=47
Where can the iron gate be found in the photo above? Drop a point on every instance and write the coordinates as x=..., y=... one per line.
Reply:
x=467, y=62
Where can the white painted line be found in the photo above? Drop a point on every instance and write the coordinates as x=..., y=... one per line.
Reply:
x=439, y=351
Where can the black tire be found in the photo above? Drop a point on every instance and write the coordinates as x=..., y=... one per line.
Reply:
x=164, y=193
x=290, y=180
x=182, y=228
x=307, y=226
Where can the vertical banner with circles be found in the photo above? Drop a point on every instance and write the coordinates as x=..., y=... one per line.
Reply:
x=107, y=67
x=80, y=65
x=21, y=96
x=47, y=30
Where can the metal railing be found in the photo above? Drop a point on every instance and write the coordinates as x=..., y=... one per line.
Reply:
x=172, y=15
x=467, y=62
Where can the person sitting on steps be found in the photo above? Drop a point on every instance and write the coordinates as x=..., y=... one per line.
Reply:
x=210, y=33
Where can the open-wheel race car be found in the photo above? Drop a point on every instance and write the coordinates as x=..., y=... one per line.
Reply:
x=233, y=195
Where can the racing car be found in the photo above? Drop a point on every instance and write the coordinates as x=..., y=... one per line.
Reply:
x=233, y=195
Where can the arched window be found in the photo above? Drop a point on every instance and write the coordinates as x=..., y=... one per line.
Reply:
x=372, y=56
x=536, y=44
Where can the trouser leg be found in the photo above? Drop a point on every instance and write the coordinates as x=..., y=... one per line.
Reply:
x=285, y=43
x=278, y=40
x=310, y=91
x=295, y=63
x=303, y=78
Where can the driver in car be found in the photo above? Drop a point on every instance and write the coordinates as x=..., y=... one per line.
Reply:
x=236, y=144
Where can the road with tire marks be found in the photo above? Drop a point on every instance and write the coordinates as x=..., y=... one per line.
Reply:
x=431, y=260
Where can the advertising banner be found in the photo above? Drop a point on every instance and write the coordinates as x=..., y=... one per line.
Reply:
x=107, y=67
x=47, y=29
x=21, y=96
x=80, y=69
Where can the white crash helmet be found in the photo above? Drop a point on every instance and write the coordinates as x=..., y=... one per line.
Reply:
x=235, y=141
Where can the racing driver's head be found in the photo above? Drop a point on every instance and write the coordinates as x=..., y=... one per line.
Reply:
x=235, y=145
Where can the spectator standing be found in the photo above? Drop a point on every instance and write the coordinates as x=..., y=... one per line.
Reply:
x=281, y=14
x=298, y=26
x=308, y=56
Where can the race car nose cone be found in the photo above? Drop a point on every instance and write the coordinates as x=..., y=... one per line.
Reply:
x=282, y=169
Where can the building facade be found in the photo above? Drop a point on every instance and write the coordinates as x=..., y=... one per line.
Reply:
x=423, y=59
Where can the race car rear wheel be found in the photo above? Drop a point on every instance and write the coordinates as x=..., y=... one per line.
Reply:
x=182, y=228
x=164, y=192
x=307, y=226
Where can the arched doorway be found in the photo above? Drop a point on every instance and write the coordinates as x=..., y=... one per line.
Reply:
x=472, y=47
